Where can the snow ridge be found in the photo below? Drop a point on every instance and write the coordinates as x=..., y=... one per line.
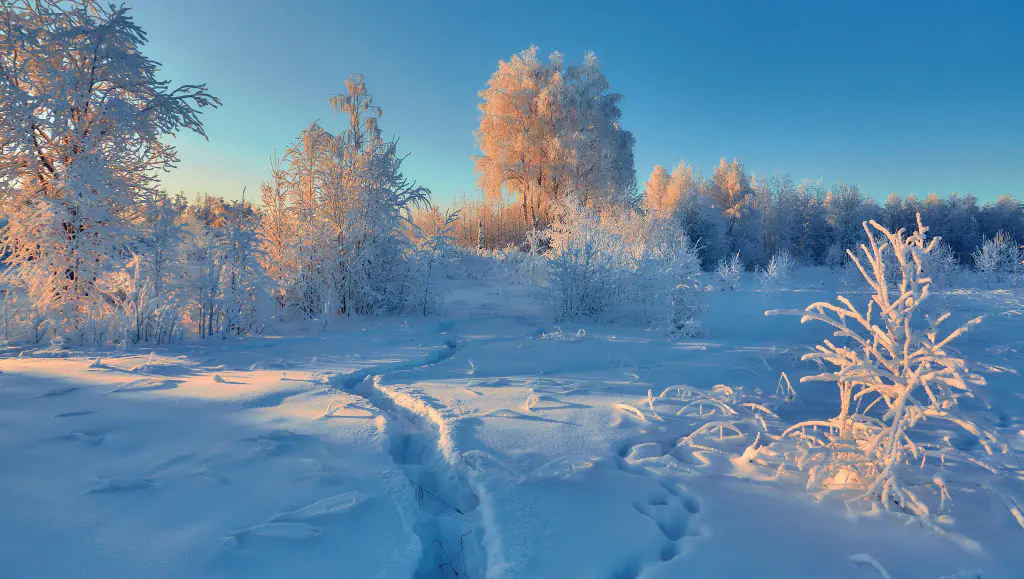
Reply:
x=448, y=521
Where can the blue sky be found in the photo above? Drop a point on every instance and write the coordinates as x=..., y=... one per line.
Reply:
x=895, y=97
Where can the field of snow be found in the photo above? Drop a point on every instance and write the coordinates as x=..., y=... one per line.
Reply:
x=488, y=442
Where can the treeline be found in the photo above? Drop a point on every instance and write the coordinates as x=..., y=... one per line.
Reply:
x=759, y=217
x=95, y=253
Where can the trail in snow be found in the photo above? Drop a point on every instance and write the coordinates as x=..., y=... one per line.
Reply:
x=447, y=522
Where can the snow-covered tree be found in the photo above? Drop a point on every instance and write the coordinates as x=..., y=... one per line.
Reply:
x=202, y=254
x=894, y=371
x=779, y=202
x=548, y=131
x=664, y=193
x=277, y=228
x=998, y=260
x=436, y=252
x=82, y=114
x=148, y=288
x=776, y=273
x=245, y=287
x=623, y=265
x=732, y=193
x=378, y=200
x=728, y=272
x=346, y=206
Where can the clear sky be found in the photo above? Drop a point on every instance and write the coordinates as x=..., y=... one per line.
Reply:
x=895, y=97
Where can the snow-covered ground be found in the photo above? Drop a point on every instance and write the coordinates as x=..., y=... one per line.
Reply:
x=489, y=442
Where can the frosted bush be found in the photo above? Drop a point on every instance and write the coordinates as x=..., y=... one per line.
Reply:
x=776, y=273
x=728, y=272
x=583, y=268
x=942, y=266
x=437, y=257
x=623, y=266
x=998, y=260
x=894, y=372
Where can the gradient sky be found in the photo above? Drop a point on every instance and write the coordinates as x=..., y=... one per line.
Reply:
x=895, y=97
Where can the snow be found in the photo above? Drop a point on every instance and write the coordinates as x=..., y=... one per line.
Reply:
x=490, y=441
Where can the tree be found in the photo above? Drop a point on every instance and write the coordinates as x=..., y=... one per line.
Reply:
x=732, y=193
x=82, y=114
x=998, y=260
x=347, y=206
x=245, y=283
x=665, y=193
x=277, y=227
x=548, y=131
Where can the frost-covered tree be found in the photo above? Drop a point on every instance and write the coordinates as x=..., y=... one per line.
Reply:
x=845, y=209
x=998, y=260
x=623, y=265
x=347, y=206
x=245, y=287
x=732, y=193
x=779, y=202
x=377, y=200
x=548, y=131
x=895, y=371
x=776, y=273
x=277, y=227
x=202, y=256
x=435, y=255
x=82, y=114
x=148, y=289
x=664, y=193
x=728, y=272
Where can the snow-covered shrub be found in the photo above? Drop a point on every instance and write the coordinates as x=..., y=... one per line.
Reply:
x=894, y=372
x=623, y=265
x=998, y=260
x=523, y=267
x=776, y=273
x=147, y=291
x=942, y=266
x=436, y=258
x=728, y=272
x=583, y=267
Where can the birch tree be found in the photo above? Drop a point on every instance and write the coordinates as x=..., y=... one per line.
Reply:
x=81, y=116
x=548, y=131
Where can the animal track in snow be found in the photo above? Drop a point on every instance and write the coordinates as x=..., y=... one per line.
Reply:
x=74, y=413
x=61, y=391
x=274, y=531
x=122, y=484
x=323, y=509
x=92, y=439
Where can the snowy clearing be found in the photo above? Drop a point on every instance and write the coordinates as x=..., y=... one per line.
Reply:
x=489, y=442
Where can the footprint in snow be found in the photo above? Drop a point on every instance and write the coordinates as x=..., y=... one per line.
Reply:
x=284, y=531
x=325, y=508
x=122, y=484
x=74, y=413
x=61, y=391
x=84, y=437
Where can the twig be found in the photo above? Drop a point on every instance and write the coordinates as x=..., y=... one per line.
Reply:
x=441, y=546
x=422, y=491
